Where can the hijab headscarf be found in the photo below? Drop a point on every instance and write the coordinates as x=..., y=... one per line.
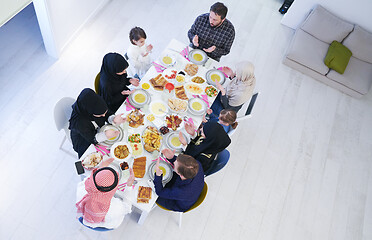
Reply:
x=216, y=140
x=112, y=64
x=240, y=89
x=111, y=84
x=96, y=203
x=87, y=104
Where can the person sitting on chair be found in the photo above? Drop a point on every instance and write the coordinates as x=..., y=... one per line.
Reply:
x=238, y=90
x=183, y=190
x=206, y=143
x=114, y=81
x=227, y=119
x=90, y=107
x=96, y=201
x=212, y=32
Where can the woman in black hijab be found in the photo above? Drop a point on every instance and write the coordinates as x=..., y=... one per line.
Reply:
x=88, y=108
x=114, y=80
x=210, y=140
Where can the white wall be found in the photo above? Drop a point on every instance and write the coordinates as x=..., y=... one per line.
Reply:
x=60, y=21
x=354, y=11
x=9, y=8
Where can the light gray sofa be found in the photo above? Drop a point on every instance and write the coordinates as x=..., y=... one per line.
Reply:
x=310, y=44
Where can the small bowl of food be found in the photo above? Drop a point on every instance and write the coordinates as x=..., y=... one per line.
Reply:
x=92, y=160
x=121, y=151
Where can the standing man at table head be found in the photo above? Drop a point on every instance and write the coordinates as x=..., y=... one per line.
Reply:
x=212, y=32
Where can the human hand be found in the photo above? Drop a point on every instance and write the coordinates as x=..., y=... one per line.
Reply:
x=208, y=50
x=110, y=133
x=195, y=41
x=118, y=119
x=189, y=128
x=126, y=92
x=209, y=111
x=134, y=81
x=159, y=172
x=106, y=162
x=228, y=71
x=131, y=177
x=168, y=153
x=182, y=139
x=219, y=86
x=149, y=48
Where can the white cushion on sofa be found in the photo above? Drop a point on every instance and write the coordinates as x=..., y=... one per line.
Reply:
x=308, y=51
x=357, y=76
x=325, y=26
x=360, y=44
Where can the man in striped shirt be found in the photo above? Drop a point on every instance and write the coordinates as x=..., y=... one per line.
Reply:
x=212, y=32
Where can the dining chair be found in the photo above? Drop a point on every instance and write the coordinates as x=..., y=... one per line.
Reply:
x=201, y=198
x=62, y=114
x=247, y=114
x=96, y=82
x=220, y=161
x=99, y=229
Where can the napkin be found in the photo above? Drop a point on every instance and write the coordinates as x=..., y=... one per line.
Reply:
x=129, y=106
x=158, y=67
x=220, y=68
x=185, y=53
x=121, y=187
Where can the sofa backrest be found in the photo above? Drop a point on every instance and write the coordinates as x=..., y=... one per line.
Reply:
x=326, y=26
x=359, y=42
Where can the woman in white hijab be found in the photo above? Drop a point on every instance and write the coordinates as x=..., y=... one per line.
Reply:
x=238, y=90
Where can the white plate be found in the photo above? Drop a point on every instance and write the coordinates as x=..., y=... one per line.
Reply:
x=198, y=56
x=169, y=139
x=193, y=102
x=168, y=72
x=155, y=106
x=86, y=160
x=197, y=85
x=211, y=73
x=168, y=171
x=167, y=60
x=109, y=142
x=117, y=144
x=133, y=101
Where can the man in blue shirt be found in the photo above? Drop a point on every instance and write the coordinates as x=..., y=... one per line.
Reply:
x=212, y=32
x=184, y=189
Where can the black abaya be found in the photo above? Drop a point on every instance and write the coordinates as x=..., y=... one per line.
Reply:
x=111, y=84
x=82, y=129
x=205, y=150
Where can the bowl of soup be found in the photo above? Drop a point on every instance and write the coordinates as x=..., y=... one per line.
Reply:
x=139, y=98
x=198, y=56
x=197, y=106
x=167, y=60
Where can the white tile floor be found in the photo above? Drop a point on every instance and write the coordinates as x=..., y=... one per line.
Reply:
x=299, y=169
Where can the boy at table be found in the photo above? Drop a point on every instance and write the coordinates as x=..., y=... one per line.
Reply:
x=183, y=190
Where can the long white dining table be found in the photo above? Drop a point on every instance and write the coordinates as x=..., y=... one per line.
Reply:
x=173, y=49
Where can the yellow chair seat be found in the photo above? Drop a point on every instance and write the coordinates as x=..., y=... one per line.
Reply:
x=201, y=198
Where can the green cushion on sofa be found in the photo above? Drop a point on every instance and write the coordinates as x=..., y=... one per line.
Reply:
x=338, y=57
